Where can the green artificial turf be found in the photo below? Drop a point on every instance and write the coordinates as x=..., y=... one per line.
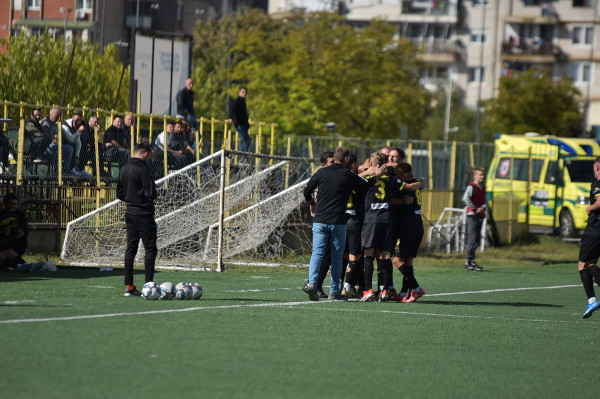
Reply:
x=254, y=334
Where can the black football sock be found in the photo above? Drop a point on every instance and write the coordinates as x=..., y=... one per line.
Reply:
x=368, y=272
x=588, y=284
x=595, y=270
x=408, y=273
x=404, y=288
x=387, y=268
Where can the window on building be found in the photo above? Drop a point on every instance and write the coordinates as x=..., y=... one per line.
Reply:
x=584, y=3
x=85, y=5
x=34, y=3
x=583, y=34
x=479, y=3
x=478, y=36
x=581, y=72
x=477, y=74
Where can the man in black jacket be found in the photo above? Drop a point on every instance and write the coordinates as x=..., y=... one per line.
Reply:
x=185, y=104
x=239, y=117
x=137, y=189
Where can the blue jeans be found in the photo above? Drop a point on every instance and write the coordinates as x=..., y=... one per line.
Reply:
x=193, y=121
x=67, y=154
x=323, y=233
x=244, y=138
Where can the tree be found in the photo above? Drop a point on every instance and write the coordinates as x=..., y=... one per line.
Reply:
x=532, y=102
x=34, y=70
x=308, y=69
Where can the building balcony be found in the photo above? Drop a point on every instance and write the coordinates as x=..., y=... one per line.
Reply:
x=438, y=50
x=532, y=51
x=431, y=7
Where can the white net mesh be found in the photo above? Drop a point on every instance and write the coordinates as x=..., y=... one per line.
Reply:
x=264, y=220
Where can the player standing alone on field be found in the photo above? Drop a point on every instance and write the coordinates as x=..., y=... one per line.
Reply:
x=474, y=198
x=137, y=189
x=590, y=245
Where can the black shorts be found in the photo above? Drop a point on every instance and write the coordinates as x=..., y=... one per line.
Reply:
x=353, y=242
x=590, y=240
x=378, y=235
x=409, y=238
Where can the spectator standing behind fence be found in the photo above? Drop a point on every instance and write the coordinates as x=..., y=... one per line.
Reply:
x=239, y=116
x=116, y=143
x=72, y=135
x=37, y=139
x=51, y=128
x=185, y=103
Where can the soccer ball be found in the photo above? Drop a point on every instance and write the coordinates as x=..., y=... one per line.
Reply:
x=189, y=292
x=183, y=291
x=196, y=291
x=151, y=290
x=167, y=290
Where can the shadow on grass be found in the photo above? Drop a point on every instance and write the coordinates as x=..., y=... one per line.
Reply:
x=70, y=272
x=511, y=304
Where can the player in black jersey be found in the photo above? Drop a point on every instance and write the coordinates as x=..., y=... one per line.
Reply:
x=590, y=245
x=376, y=233
x=409, y=234
x=353, y=252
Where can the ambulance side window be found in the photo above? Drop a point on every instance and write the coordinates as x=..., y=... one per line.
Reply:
x=551, y=173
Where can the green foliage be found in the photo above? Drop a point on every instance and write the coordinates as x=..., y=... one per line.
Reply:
x=460, y=116
x=309, y=69
x=34, y=71
x=532, y=102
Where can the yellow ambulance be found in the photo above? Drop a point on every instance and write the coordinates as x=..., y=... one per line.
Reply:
x=551, y=176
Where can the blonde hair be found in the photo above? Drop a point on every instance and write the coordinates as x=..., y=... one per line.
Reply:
x=377, y=159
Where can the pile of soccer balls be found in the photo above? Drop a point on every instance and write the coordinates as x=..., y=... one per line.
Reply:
x=169, y=291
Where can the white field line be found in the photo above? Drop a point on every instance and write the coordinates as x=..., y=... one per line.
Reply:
x=453, y=315
x=285, y=304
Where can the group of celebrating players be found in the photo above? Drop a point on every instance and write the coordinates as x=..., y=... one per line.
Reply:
x=383, y=223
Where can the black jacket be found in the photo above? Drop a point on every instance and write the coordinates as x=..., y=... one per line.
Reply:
x=335, y=183
x=136, y=187
x=239, y=112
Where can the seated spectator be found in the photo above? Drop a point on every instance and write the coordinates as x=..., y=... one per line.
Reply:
x=51, y=128
x=129, y=127
x=117, y=146
x=173, y=156
x=190, y=138
x=5, y=151
x=88, y=144
x=72, y=135
x=178, y=147
x=37, y=139
x=13, y=233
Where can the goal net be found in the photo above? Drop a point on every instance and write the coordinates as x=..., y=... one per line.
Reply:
x=229, y=207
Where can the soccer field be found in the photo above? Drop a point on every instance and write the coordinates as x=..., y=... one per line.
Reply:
x=511, y=331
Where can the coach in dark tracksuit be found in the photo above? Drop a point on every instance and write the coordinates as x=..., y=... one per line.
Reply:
x=137, y=189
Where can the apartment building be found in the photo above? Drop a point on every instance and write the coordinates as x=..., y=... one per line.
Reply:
x=102, y=21
x=479, y=41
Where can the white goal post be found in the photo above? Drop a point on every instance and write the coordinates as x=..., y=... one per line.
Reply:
x=233, y=206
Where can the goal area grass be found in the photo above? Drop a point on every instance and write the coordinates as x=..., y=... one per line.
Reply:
x=513, y=330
